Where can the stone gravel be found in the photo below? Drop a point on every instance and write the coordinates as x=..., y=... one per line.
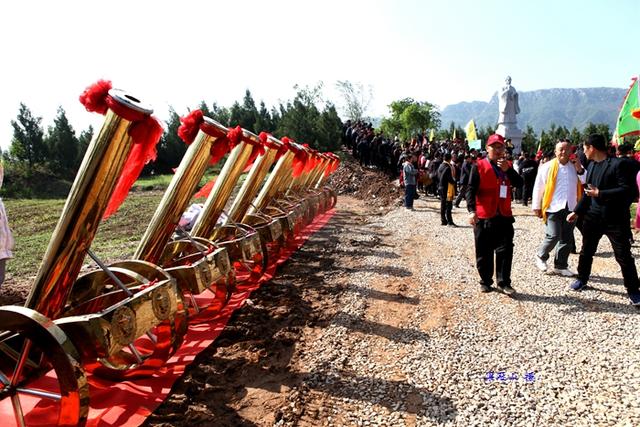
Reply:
x=444, y=354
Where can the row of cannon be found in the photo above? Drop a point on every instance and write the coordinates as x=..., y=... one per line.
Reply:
x=126, y=319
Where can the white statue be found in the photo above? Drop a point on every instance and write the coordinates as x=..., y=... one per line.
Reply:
x=508, y=103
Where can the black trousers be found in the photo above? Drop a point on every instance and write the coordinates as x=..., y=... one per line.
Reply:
x=445, y=207
x=461, y=195
x=593, y=228
x=527, y=191
x=494, y=236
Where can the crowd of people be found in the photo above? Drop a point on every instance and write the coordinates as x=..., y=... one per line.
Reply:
x=589, y=186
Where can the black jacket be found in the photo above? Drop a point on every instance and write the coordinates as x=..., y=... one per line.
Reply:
x=444, y=176
x=615, y=192
x=465, y=171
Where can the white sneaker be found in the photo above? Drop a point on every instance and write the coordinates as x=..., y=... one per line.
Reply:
x=565, y=272
x=541, y=264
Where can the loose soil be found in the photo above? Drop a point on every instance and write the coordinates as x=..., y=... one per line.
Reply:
x=250, y=374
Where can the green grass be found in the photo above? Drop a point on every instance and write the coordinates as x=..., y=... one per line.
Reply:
x=32, y=222
x=161, y=182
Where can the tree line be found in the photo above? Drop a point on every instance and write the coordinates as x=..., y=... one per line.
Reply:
x=545, y=140
x=35, y=157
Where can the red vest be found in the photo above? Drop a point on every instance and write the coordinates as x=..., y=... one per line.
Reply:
x=488, y=201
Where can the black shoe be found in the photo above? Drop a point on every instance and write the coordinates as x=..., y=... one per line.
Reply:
x=507, y=289
x=451, y=224
x=444, y=223
x=484, y=289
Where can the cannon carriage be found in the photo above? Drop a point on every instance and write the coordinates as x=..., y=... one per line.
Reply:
x=125, y=320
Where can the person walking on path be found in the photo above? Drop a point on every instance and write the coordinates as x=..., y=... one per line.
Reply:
x=528, y=171
x=489, y=206
x=446, y=190
x=465, y=170
x=605, y=211
x=409, y=173
x=557, y=190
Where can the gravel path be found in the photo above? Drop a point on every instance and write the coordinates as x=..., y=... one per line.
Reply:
x=415, y=343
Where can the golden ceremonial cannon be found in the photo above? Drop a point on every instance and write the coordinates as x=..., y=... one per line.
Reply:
x=126, y=319
x=70, y=324
x=198, y=265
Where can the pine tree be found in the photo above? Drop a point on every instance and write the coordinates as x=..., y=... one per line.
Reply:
x=171, y=148
x=28, y=139
x=220, y=114
x=264, y=122
x=83, y=143
x=62, y=145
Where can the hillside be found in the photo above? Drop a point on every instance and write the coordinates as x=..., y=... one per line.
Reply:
x=540, y=108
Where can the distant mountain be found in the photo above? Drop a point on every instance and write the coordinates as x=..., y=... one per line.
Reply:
x=541, y=108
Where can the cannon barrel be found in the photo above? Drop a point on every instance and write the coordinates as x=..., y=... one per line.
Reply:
x=85, y=206
x=179, y=193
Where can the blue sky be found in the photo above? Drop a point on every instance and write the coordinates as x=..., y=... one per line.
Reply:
x=178, y=53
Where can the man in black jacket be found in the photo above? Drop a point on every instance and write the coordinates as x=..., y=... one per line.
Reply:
x=465, y=170
x=605, y=211
x=446, y=179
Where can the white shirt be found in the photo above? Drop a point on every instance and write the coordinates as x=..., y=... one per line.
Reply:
x=566, y=188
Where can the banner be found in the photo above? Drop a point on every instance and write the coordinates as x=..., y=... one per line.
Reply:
x=476, y=143
x=470, y=130
x=627, y=124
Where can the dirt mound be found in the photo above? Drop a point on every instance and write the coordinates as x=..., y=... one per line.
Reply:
x=371, y=185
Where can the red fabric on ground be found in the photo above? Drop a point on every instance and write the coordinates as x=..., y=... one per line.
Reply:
x=130, y=402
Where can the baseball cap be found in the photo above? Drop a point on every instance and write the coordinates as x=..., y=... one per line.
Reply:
x=495, y=139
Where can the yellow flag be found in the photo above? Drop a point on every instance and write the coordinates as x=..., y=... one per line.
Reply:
x=432, y=135
x=470, y=130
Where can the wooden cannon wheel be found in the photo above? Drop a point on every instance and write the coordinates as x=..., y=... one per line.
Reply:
x=32, y=347
x=234, y=237
x=190, y=251
x=146, y=354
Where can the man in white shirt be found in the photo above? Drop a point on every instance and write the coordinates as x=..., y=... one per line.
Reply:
x=556, y=192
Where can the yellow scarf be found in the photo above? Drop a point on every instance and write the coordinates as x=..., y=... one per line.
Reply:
x=550, y=187
x=451, y=188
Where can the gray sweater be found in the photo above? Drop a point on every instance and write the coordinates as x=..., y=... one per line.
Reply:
x=410, y=173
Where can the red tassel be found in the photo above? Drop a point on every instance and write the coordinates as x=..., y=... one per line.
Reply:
x=286, y=146
x=145, y=135
x=145, y=132
x=234, y=136
x=94, y=97
x=299, y=162
x=205, y=190
x=312, y=161
x=258, y=150
x=190, y=125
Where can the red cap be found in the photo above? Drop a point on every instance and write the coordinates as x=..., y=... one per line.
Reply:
x=495, y=139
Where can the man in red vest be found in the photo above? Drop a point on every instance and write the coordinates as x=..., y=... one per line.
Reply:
x=489, y=205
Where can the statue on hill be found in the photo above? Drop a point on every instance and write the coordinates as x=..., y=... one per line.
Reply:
x=508, y=107
x=508, y=103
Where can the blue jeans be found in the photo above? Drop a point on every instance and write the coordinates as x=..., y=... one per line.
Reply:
x=409, y=194
x=558, y=233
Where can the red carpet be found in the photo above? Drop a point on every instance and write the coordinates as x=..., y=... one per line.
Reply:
x=130, y=402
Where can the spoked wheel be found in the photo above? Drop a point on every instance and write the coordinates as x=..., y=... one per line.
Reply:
x=331, y=197
x=271, y=233
x=247, y=252
x=298, y=209
x=205, y=305
x=137, y=356
x=41, y=381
